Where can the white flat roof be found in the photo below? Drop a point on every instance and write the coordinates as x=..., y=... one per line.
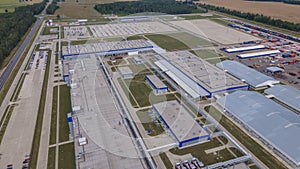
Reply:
x=256, y=54
x=156, y=81
x=125, y=70
x=179, y=120
x=239, y=49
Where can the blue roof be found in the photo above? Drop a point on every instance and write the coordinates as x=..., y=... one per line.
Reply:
x=276, y=124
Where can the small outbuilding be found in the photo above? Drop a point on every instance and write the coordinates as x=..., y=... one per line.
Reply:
x=157, y=85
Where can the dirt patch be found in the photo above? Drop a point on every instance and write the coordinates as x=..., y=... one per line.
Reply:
x=277, y=10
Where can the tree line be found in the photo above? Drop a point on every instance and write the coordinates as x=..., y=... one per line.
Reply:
x=52, y=7
x=163, y=6
x=296, y=2
x=14, y=25
x=255, y=17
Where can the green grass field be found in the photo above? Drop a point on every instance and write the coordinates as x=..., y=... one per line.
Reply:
x=167, y=42
x=10, y=5
x=191, y=17
x=198, y=151
x=141, y=91
x=206, y=54
x=51, y=158
x=263, y=155
x=190, y=40
x=66, y=156
x=148, y=123
x=166, y=160
x=64, y=108
x=53, y=116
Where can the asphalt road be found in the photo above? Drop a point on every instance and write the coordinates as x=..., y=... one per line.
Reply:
x=18, y=54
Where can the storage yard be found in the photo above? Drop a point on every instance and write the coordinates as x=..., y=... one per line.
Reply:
x=274, y=50
x=76, y=32
x=128, y=29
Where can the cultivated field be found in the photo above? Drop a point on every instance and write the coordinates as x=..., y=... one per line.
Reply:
x=10, y=5
x=80, y=9
x=277, y=10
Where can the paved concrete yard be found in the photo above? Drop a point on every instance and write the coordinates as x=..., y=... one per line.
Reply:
x=19, y=133
x=100, y=120
x=214, y=31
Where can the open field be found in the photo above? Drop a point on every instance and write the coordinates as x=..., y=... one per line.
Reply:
x=277, y=10
x=214, y=31
x=200, y=151
x=70, y=8
x=51, y=158
x=167, y=42
x=64, y=108
x=146, y=118
x=66, y=156
x=10, y=5
x=267, y=158
x=190, y=40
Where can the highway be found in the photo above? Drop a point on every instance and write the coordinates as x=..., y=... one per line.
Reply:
x=18, y=54
x=21, y=50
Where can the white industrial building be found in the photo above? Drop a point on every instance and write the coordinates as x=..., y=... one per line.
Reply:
x=247, y=48
x=258, y=54
x=126, y=72
x=158, y=86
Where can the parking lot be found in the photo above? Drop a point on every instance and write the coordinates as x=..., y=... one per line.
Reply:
x=18, y=137
x=76, y=32
x=127, y=29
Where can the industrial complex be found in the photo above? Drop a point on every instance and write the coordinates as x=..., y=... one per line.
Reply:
x=155, y=92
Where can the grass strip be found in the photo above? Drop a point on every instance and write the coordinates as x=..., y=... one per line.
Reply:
x=53, y=116
x=66, y=156
x=263, y=155
x=5, y=120
x=64, y=108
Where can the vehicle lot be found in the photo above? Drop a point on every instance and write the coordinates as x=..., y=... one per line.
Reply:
x=19, y=133
x=214, y=31
x=76, y=32
x=127, y=29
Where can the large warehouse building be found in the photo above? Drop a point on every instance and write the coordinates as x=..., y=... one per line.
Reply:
x=181, y=124
x=258, y=54
x=286, y=94
x=107, y=48
x=274, y=124
x=251, y=76
x=194, y=74
x=243, y=49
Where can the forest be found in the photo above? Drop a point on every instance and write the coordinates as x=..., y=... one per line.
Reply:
x=255, y=17
x=163, y=6
x=52, y=7
x=296, y=2
x=15, y=25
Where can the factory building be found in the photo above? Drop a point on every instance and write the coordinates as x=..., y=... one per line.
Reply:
x=196, y=76
x=158, y=86
x=258, y=54
x=286, y=94
x=180, y=123
x=273, y=124
x=243, y=49
x=247, y=74
x=126, y=72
